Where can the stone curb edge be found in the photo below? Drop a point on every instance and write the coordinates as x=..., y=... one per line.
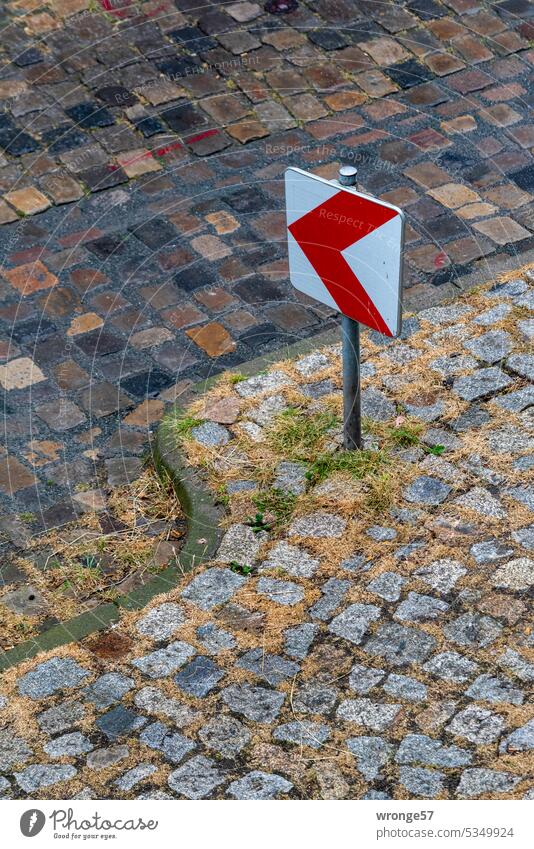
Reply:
x=198, y=504
x=202, y=541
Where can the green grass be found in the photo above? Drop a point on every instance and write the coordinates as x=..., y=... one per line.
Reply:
x=236, y=378
x=180, y=426
x=278, y=503
x=360, y=464
x=404, y=435
x=297, y=436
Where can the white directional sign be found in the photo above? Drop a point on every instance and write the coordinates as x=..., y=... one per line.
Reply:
x=345, y=249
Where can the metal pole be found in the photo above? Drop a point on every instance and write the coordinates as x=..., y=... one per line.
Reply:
x=350, y=334
x=352, y=417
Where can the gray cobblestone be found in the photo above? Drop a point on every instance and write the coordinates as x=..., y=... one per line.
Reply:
x=259, y=785
x=197, y=778
x=164, y=661
x=256, y=703
x=212, y=588
x=49, y=677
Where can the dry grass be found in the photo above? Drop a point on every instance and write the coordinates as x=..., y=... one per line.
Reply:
x=84, y=563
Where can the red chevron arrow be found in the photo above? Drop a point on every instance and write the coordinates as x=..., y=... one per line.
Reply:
x=331, y=228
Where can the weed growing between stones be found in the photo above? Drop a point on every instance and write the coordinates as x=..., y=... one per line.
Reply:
x=296, y=435
x=100, y=556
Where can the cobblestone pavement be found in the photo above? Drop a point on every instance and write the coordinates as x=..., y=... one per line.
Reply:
x=143, y=239
x=366, y=633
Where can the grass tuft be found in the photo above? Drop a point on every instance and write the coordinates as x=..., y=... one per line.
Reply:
x=297, y=436
x=180, y=426
x=276, y=503
x=360, y=464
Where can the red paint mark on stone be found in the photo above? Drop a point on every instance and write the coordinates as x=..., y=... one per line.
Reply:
x=203, y=135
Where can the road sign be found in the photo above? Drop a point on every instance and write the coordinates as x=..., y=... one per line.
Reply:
x=345, y=249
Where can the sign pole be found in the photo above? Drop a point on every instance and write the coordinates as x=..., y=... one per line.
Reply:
x=350, y=334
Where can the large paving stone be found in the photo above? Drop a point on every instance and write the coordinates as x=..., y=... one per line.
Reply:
x=129, y=779
x=333, y=592
x=286, y=593
x=164, y=661
x=119, y=721
x=161, y=622
x=197, y=778
x=290, y=477
x=480, y=501
x=240, y=544
x=445, y=315
x=421, y=782
x=292, y=559
x=47, y=678
x=213, y=587
x=255, y=703
x=451, y=666
x=375, y=715
x=441, y=575
x=104, y=758
x=297, y=640
x=523, y=495
x=404, y=687
x=517, y=574
x=259, y=785
x=371, y=753
x=215, y=639
x=174, y=746
x=262, y=383
x=38, y=776
x=491, y=347
x=480, y=781
x=211, y=434
x=472, y=629
x=516, y=663
x=522, y=364
x=107, y=689
x=420, y=608
x=377, y=406
x=482, y=383
x=492, y=688
x=517, y=401
x=400, y=645
x=225, y=735
x=387, y=585
x=61, y=717
x=476, y=724
x=13, y=750
x=199, y=677
x=425, y=490
x=154, y=701
x=303, y=733
x=524, y=537
x=364, y=678
x=271, y=667
x=420, y=749
x=68, y=745
x=490, y=551
x=354, y=621
x=318, y=525
x=520, y=740
x=315, y=698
